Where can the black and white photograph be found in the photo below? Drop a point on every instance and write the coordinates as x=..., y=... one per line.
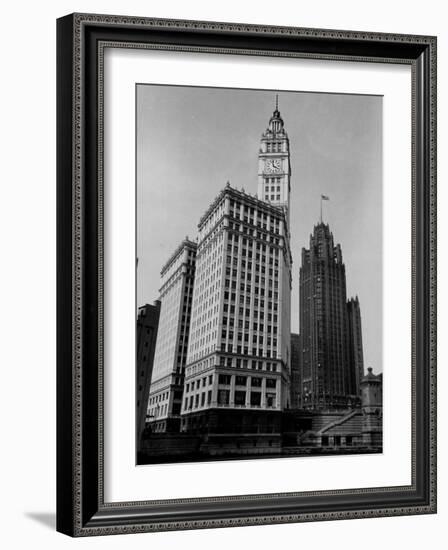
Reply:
x=225, y=218
x=258, y=273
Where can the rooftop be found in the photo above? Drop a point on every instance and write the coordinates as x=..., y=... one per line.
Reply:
x=243, y=196
x=186, y=243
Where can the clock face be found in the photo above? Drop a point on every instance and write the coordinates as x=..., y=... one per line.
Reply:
x=273, y=165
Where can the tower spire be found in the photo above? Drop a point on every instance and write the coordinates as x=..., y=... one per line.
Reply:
x=322, y=198
x=276, y=102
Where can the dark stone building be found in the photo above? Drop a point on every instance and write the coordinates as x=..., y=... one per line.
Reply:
x=356, y=355
x=147, y=325
x=295, y=369
x=327, y=375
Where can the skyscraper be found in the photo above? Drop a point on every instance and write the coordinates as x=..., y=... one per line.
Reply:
x=239, y=348
x=147, y=325
x=356, y=355
x=296, y=356
x=176, y=294
x=239, y=352
x=327, y=377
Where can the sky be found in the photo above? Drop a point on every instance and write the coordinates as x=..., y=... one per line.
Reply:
x=192, y=140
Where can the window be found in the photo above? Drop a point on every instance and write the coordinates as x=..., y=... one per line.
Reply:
x=270, y=399
x=224, y=379
x=240, y=380
x=240, y=398
x=271, y=382
x=255, y=399
x=223, y=397
x=256, y=382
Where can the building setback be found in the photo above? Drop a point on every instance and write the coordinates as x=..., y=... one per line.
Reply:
x=147, y=325
x=176, y=294
x=239, y=348
x=327, y=377
x=356, y=355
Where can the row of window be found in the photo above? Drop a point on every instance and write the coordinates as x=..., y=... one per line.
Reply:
x=240, y=380
x=274, y=147
x=257, y=291
x=248, y=211
x=248, y=263
x=196, y=384
x=271, y=198
x=254, y=364
x=239, y=399
x=274, y=225
x=272, y=189
x=229, y=308
x=260, y=352
x=272, y=279
x=250, y=244
x=157, y=411
x=158, y=398
x=254, y=233
x=230, y=321
x=257, y=339
x=202, y=365
x=198, y=400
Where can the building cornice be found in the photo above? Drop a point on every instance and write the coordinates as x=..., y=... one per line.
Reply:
x=240, y=195
x=186, y=243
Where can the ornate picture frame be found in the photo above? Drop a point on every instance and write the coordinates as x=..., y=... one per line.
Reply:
x=81, y=506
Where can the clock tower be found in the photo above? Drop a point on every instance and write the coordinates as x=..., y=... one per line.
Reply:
x=274, y=167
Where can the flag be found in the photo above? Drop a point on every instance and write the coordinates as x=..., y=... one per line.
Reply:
x=325, y=198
